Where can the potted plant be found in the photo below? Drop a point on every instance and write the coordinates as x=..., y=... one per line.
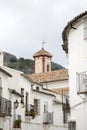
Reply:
x=17, y=124
x=30, y=113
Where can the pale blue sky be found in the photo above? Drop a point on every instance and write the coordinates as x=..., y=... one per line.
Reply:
x=24, y=24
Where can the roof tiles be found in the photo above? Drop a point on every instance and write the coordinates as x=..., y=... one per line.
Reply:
x=57, y=75
x=42, y=52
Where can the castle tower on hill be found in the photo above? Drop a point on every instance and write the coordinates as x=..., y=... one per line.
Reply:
x=42, y=60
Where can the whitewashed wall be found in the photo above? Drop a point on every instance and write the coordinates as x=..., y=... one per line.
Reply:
x=77, y=49
x=4, y=123
x=56, y=84
x=17, y=82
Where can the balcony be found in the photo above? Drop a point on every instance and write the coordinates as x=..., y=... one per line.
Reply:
x=5, y=107
x=30, y=113
x=82, y=82
x=48, y=118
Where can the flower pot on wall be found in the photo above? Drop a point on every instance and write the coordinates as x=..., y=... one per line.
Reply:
x=30, y=113
x=17, y=124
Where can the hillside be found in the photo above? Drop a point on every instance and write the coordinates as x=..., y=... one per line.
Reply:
x=24, y=65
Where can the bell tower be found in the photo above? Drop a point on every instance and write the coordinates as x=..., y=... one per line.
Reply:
x=42, y=60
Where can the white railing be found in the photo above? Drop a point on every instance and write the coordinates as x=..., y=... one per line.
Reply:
x=48, y=118
x=82, y=82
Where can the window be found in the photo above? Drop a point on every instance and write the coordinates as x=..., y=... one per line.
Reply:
x=37, y=88
x=65, y=116
x=26, y=101
x=19, y=117
x=22, y=95
x=82, y=82
x=72, y=126
x=48, y=68
x=45, y=107
x=31, y=107
x=37, y=106
x=66, y=111
x=85, y=28
x=67, y=101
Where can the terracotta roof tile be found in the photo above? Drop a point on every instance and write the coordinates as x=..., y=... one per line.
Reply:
x=42, y=52
x=52, y=76
x=61, y=91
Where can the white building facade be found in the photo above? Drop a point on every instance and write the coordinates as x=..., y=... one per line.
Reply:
x=34, y=105
x=5, y=102
x=75, y=46
x=38, y=109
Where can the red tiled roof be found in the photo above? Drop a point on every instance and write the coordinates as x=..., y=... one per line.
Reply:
x=57, y=75
x=42, y=52
x=61, y=91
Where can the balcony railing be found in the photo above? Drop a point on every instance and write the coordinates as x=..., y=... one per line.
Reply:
x=29, y=112
x=82, y=82
x=5, y=107
x=48, y=118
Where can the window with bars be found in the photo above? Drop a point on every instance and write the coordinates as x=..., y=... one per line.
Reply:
x=37, y=106
x=22, y=95
x=5, y=106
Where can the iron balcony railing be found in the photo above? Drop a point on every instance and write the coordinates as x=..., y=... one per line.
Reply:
x=82, y=82
x=48, y=118
x=5, y=107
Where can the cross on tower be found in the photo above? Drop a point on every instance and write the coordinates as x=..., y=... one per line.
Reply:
x=43, y=44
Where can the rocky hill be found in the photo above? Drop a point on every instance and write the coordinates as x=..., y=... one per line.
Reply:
x=24, y=65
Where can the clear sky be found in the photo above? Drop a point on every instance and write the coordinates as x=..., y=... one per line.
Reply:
x=24, y=24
